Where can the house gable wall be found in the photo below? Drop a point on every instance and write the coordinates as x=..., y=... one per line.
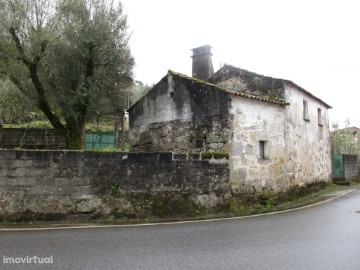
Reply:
x=297, y=150
x=308, y=143
x=180, y=115
x=159, y=119
x=256, y=121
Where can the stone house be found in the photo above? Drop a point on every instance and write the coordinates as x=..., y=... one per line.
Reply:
x=275, y=133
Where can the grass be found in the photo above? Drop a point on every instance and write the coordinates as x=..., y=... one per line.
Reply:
x=123, y=147
x=102, y=128
x=107, y=149
x=32, y=124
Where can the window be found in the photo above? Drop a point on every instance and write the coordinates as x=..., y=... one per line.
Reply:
x=319, y=117
x=263, y=149
x=305, y=110
x=321, y=133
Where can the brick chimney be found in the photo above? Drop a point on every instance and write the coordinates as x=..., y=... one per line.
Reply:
x=202, y=67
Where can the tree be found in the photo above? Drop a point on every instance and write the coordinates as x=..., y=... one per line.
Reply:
x=139, y=90
x=14, y=106
x=346, y=141
x=70, y=56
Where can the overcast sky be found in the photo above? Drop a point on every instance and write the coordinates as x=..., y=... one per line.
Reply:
x=315, y=44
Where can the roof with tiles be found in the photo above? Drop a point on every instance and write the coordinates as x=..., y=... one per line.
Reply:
x=275, y=100
x=242, y=80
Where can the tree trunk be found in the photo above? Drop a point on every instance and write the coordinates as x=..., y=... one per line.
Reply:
x=75, y=137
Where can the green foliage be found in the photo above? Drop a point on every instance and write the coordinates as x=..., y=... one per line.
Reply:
x=108, y=149
x=138, y=91
x=100, y=131
x=31, y=124
x=114, y=188
x=124, y=147
x=346, y=141
x=69, y=57
x=97, y=65
x=14, y=105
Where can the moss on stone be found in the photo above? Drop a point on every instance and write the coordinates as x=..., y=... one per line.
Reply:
x=215, y=155
x=172, y=204
x=30, y=216
x=220, y=155
x=277, y=99
x=145, y=206
x=206, y=155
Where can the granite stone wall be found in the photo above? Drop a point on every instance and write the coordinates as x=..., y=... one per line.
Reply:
x=62, y=182
x=273, y=148
x=351, y=168
x=181, y=115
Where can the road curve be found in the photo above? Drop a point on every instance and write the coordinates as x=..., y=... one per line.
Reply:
x=326, y=236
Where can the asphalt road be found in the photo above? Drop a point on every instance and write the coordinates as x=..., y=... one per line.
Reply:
x=326, y=236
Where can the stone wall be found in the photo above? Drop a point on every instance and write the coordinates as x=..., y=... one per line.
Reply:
x=30, y=138
x=62, y=182
x=256, y=121
x=351, y=168
x=308, y=147
x=181, y=115
x=297, y=151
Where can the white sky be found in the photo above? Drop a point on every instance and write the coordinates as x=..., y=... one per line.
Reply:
x=314, y=43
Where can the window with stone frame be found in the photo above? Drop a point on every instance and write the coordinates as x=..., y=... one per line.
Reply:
x=264, y=153
x=319, y=117
x=306, y=110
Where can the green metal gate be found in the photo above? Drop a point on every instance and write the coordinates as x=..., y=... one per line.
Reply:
x=338, y=165
x=99, y=141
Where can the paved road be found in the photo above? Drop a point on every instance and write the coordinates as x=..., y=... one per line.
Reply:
x=321, y=237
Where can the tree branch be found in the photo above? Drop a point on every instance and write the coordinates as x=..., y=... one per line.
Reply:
x=42, y=101
x=19, y=46
x=16, y=82
x=42, y=51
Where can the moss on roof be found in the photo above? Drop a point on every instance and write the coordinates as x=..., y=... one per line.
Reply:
x=275, y=100
x=256, y=83
x=241, y=80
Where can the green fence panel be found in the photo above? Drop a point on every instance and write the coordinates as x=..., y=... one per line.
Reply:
x=338, y=165
x=99, y=141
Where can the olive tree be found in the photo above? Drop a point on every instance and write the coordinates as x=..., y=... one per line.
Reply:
x=70, y=56
x=14, y=106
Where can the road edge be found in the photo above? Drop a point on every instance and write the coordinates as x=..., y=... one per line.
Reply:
x=173, y=222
